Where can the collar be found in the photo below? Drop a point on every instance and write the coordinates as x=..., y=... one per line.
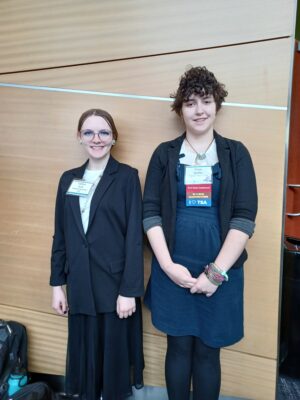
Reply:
x=111, y=167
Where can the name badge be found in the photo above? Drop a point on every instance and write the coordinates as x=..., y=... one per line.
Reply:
x=79, y=187
x=198, y=186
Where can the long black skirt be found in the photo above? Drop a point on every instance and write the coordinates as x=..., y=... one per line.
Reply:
x=105, y=355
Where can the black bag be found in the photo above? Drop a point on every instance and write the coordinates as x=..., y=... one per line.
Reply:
x=34, y=391
x=40, y=391
x=13, y=351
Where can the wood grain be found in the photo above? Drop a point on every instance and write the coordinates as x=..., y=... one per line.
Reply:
x=41, y=34
x=256, y=73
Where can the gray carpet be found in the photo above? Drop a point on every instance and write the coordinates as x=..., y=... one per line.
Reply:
x=288, y=388
x=155, y=393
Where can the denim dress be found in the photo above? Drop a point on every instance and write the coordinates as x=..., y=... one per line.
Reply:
x=216, y=320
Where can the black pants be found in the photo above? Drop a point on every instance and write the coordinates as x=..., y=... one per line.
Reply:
x=189, y=359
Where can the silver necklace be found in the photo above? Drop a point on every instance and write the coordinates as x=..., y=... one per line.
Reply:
x=200, y=156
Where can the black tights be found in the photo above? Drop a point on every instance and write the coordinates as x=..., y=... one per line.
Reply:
x=188, y=358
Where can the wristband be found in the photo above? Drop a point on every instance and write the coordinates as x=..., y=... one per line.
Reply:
x=220, y=271
x=215, y=275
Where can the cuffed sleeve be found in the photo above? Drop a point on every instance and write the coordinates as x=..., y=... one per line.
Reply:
x=150, y=222
x=245, y=203
x=241, y=224
x=152, y=190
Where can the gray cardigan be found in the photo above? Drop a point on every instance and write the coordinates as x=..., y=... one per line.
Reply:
x=238, y=195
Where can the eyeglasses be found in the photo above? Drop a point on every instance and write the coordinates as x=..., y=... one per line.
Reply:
x=89, y=135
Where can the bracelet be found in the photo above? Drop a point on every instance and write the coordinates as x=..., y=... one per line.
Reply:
x=211, y=276
x=220, y=271
x=215, y=275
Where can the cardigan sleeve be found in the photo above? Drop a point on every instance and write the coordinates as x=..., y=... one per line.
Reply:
x=132, y=282
x=58, y=256
x=245, y=202
x=152, y=191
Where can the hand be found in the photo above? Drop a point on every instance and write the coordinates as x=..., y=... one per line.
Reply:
x=203, y=285
x=59, y=301
x=180, y=275
x=125, y=306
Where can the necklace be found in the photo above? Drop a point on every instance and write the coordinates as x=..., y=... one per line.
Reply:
x=200, y=156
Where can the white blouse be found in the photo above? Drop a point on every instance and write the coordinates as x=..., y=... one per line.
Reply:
x=92, y=176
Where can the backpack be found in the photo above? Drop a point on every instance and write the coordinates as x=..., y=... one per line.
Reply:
x=13, y=351
x=34, y=391
x=40, y=391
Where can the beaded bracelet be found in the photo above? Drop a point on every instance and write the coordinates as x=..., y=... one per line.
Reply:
x=215, y=275
x=219, y=270
x=212, y=277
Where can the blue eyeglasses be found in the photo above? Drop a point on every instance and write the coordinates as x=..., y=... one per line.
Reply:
x=88, y=135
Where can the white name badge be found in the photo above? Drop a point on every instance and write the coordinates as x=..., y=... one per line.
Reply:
x=195, y=175
x=79, y=187
x=198, y=186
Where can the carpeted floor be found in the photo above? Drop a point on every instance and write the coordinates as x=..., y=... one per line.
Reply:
x=288, y=388
x=155, y=393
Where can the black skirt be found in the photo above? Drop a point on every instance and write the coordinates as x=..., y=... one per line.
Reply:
x=105, y=355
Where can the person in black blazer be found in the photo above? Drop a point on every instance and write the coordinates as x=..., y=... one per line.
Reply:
x=97, y=253
x=200, y=204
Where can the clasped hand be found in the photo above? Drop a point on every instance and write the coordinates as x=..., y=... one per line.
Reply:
x=183, y=278
x=204, y=286
x=180, y=275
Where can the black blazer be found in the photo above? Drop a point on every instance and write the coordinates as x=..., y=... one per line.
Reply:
x=108, y=259
x=238, y=195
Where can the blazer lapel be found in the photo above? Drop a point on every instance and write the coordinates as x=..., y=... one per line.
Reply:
x=105, y=182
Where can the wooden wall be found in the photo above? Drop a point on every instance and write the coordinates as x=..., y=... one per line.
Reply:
x=140, y=48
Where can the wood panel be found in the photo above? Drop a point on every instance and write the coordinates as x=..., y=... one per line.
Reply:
x=262, y=271
x=42, y=34
x=255, y=73
x=41, y=143
x=247, y=376
x=243, y=375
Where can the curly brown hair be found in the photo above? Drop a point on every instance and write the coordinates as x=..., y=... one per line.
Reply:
x=198, y=81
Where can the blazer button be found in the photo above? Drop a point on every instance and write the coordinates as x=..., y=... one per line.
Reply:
x=85, y=245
